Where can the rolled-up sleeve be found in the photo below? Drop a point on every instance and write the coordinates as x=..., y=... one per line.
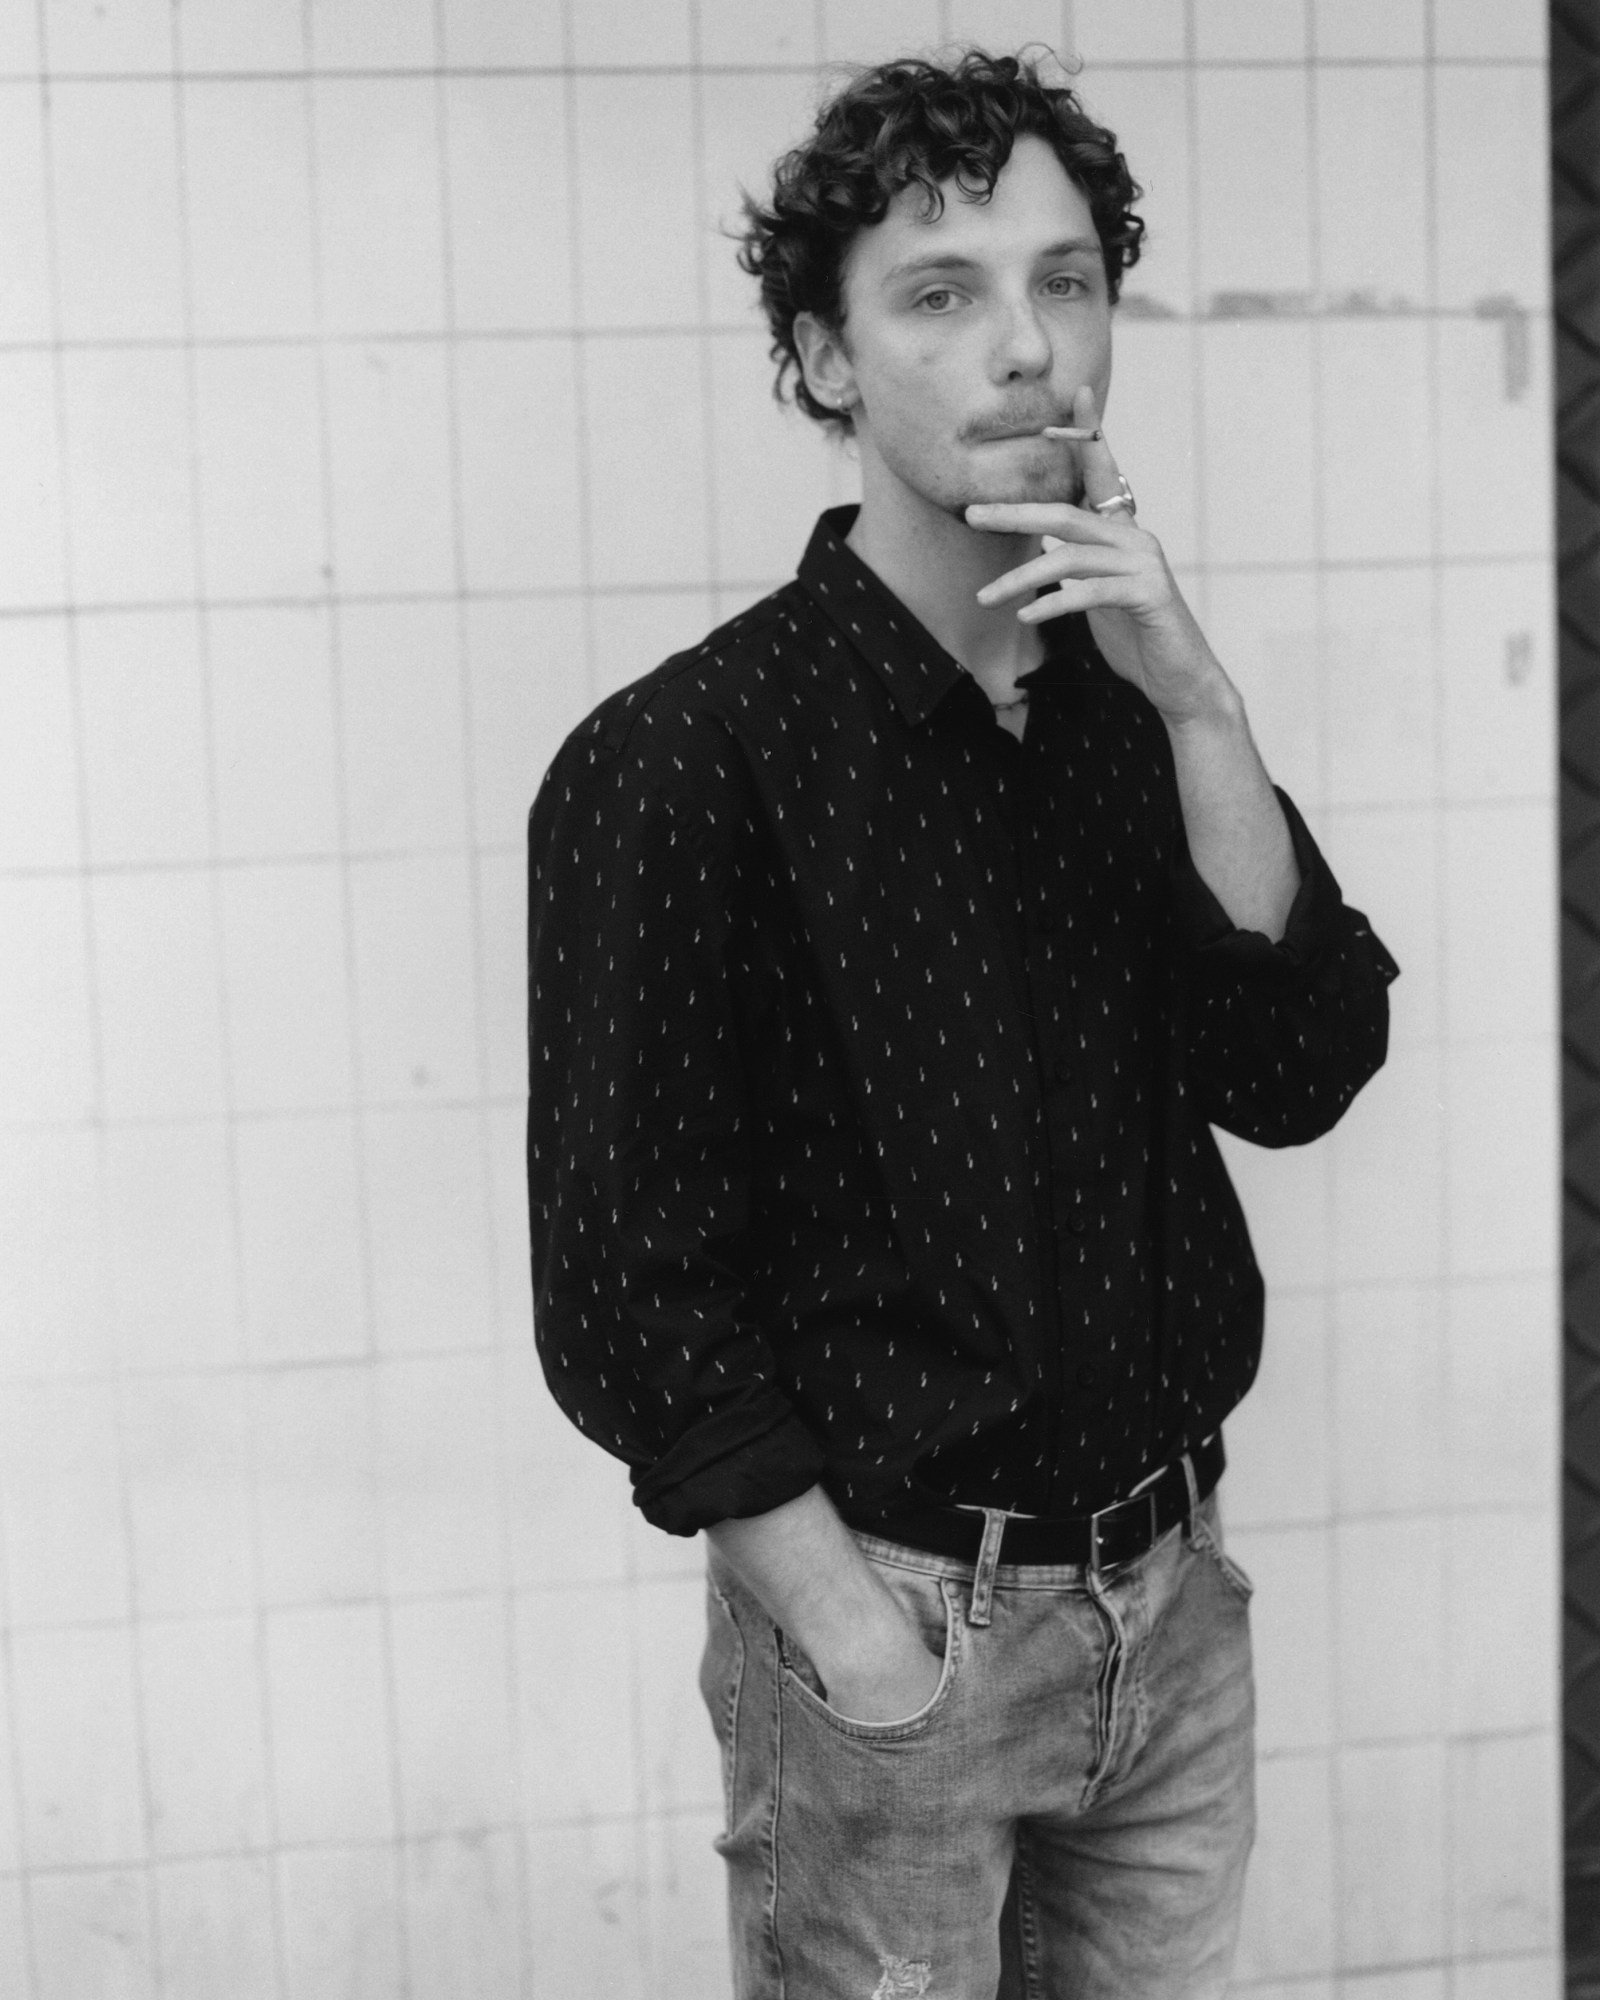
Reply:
x=638, y=1137
x=1281, y=1036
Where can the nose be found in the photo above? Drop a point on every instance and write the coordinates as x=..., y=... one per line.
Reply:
x=1022, y=347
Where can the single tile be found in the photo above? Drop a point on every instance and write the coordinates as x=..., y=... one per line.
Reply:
x=1423, y=1982
x=518, y=409
x=586, y=1889
x=1499, y=861
x=185, y=1452
x=25, y=305
x=32, y=510
x=54, y=1289
x=439, y=1481
x=688, y=1898
x=242, y=35
x=1287, y=1925
x=48, y=1067
x=1379, y=678
x=114, y=196
x=1504, y=1580
x=1372, y=186
x=633, y=156
x=1153, y=424
x=1374, y=382
x=21, y=52
x=14, y=1968
x=1108, y=31
x=331, y=1733
x=428, y=1218
x=1285, y=1194
x=1392, y=1849
x=215, y=1922
x=274, y=731
x=341, y=1910
x=1503, y=1155
x=680, y=1767
x=416, y=1010
x=38, y=752
x=1228, y=30
x=247, y=196
x=635, y=630
x=510, y=214
x=1391, y=1445
x=80, y=36
x=170, y=1234
x=528, y=680
x=380, y=205
x=374, y=34
x=1291, y=1634
x=463, y=1914
x=390, y=468
x=1257, y=451
x=1502, y=1363
x=204, y=1734
x=78, y=1746
x=316, y=1479
x=1148, y=110
x=1504, y=1834
x=1005, y=25
x=1497, y=693
x=1278, y=1438
x=453, y=1733
x=1252, y=130
x=771, y=466
x=1264, y=626
x=129, y=469
x=258, y=436
x=575, y=1677
x=1537, y=1978
x=750, y=32
x=286, y=962
x=748, y=122
x=893, y=28
x=141, y=698
x=300, y=1238
x=1478, y=29
x=568, y=1502
x=66, y=1549
x=606, y=38
x=89, y=1930
x=401, y=726
x=1389, y=1595
x=485, y=34
x=1396, y=29
x=1387, y=1164
x=1491, y=180
x=1495, y=482
x=159, y=994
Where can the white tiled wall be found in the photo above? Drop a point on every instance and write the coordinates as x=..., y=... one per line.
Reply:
x=378, y=392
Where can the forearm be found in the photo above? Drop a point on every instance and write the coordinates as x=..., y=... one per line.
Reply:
x=1238, y=837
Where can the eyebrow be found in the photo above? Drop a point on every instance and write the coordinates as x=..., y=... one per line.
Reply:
x=941, y=260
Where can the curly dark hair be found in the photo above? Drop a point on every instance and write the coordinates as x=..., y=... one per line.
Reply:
x=916, y=123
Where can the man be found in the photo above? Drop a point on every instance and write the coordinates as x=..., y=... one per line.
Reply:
x=893, y=953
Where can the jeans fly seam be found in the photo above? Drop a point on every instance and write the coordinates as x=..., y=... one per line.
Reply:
x=1107, y=1689
x=772, y=1829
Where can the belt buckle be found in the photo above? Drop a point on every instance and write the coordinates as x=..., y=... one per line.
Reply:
x=1148, y=1497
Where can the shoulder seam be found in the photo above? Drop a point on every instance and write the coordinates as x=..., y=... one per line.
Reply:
x=620, y=726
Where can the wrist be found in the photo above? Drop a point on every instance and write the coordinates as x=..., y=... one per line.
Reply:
x=1210, y=705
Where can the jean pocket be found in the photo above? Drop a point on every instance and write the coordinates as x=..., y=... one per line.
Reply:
x=1207, y=1539
x=804, y=1684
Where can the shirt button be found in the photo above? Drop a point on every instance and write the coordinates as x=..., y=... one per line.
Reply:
x=1063, y=1070
x=1044, y=920
x=1078, y=1221
x=1088, y=1376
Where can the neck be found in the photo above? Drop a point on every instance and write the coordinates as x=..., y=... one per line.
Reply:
x=936, y=565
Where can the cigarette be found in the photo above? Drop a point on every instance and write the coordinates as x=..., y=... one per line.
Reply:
x=1071, y=436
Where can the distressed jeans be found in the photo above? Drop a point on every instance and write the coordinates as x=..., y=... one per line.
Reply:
x=1068, y=1818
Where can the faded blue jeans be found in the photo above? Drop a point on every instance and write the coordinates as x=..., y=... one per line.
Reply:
x=1067, y=1819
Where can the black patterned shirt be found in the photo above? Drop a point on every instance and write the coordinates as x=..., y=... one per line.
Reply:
x=874, y=1059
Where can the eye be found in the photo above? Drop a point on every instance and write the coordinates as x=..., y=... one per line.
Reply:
x=1065, y=283
x=938, y=300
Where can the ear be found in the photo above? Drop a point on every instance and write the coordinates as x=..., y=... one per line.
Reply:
x=825, y=361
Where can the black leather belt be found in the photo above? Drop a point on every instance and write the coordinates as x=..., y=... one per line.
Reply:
x=1117, y=1534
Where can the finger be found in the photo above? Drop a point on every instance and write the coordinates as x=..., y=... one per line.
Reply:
x=1086, y=593
x=1074, y=559
x=1102, y=478
x=1048, y=517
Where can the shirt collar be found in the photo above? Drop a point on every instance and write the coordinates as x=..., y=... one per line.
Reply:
x=915, y=669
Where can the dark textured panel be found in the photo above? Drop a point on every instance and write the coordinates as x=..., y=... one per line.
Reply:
x=1575, y=239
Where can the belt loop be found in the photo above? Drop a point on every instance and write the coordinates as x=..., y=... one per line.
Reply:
x=994, y=1525
x=1191, y=1527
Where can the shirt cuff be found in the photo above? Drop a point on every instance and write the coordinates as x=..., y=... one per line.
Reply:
x=717, y=1471
x=1313, y=915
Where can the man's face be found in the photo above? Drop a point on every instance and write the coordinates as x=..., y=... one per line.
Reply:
x=980, y=321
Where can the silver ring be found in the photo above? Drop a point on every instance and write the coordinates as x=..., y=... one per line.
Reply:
x=1120, y=503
